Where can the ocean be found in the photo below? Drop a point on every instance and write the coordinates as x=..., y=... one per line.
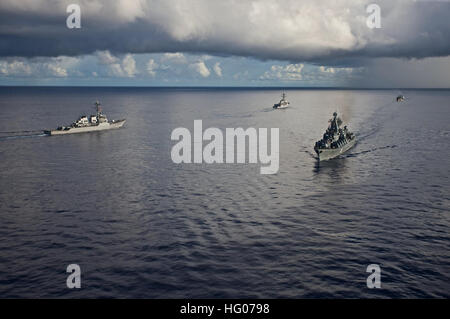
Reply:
x=141, y=226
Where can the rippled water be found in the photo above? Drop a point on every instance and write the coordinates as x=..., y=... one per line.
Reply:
x=141, y=226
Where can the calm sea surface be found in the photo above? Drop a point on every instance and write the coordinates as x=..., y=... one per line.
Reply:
x=141, y=226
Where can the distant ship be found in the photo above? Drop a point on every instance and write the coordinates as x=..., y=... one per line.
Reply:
x=84, y=124
x=283, y=102
x=400, y=98
x=335, y=141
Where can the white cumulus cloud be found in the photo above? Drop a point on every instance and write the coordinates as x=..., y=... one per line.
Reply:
x=57, y=70
x=201, y=69
x=291, y=72
x=151, y=67
x=15, y=68
x=177, y=58
x=218, y=69
x=129, y=65
x=105, y=57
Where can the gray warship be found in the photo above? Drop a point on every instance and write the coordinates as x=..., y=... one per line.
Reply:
x=283, y=102
x=84, y=124
x=335, y=141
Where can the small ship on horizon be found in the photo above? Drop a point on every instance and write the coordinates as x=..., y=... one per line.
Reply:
x=283, y=102
x=84, y=124
x=400, y=98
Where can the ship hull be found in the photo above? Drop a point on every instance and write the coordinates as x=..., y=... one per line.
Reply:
x=327, y=154
x=87, y=129
x=280, y=107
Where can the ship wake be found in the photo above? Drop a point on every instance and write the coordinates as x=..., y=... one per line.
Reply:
x=367, y=151
x=21, y=134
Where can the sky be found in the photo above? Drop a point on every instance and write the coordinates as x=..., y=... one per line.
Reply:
x=285, y=43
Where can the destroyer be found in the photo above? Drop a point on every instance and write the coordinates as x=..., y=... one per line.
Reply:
x=335, y=141
x=283, y=102
x=96, y=122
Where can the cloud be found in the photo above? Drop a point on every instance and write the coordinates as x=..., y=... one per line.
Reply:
x=125, y=68
x=129, y=65
x=57, y=70
x=217, y=69
x=47, y=67
x=200, y=68
x=116, y=70
x=105, y=57
x=151, y=67
x=14, y=68
x=322, y=32
x=331, y=70
x=327, y=70
x=177, y=58
x=291, y=72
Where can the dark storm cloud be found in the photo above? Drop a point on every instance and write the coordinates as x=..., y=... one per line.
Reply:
x=323, y=32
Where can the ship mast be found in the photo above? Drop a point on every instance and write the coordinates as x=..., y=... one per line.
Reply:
x=98, y=107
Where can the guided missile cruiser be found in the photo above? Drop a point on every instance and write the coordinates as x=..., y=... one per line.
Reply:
x=335, y=141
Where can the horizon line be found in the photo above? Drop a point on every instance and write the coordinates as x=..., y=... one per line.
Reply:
x=227, y=87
